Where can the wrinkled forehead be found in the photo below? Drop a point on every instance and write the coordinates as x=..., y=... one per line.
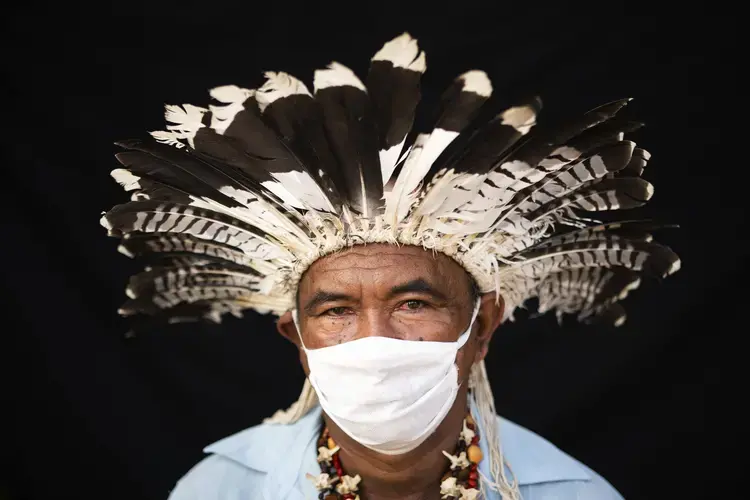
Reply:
x=373, y=269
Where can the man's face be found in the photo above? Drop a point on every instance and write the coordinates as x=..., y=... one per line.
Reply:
x=383, y=290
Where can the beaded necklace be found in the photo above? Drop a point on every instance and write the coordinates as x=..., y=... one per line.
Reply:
x=460, y=482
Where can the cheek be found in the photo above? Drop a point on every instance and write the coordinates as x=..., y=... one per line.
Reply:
x=328, y=331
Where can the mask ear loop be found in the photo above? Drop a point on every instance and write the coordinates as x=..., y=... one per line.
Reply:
x=465, y=336
x=295, y=318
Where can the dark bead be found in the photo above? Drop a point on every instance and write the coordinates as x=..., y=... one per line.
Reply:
x=332, y=496
x=455, y=472
x=463, y=475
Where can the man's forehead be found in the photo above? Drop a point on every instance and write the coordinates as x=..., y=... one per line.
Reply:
x=386, y=262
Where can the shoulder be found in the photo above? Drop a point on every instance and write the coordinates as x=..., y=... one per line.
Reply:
x=595, y=488
x=239, y=465
x=216, y=477
x=544, y=471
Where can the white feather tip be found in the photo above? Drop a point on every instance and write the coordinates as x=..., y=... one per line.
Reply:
x=279, y=85
x=521, y=118
x=126, y=179
x=403, y=52
x=478, y=82
x=186, y=115
x=230, y=94
x=336, y=75
x=105, y=223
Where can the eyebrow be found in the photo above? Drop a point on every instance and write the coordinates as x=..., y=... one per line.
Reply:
x=321, y=297
x=418, y=285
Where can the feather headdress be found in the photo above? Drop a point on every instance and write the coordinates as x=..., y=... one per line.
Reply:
x=233, y=202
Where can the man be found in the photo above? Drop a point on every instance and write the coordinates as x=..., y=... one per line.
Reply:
x=389, y=267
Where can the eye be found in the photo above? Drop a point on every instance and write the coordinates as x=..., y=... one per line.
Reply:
x=337, y=311
x=413, y=305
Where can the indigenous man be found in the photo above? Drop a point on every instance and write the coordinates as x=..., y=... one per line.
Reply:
x=390, y=259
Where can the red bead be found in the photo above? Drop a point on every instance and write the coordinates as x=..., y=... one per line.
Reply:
x=472, y=483
x=473, y=467
x=475, y=440
x=473, y=475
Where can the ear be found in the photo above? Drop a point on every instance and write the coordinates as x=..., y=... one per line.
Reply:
x=286, y=327
x=491, y=309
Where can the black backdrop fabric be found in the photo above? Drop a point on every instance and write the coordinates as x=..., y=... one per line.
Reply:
x=95, y=415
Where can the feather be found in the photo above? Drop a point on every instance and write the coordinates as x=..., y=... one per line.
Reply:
x=506, y=209
x=167, y=299
x=185, y=121
x=162, y=172
x=637, y=164
x=590, y=292
x=602, y=162
x=158, y=217
x=254, y=151
x=600, y=195
x=459, y=106
x=613, y=314
x=522, y=281
x=607, y=132
x=551, y=140
x=488, y=147
x=547, y=192
x=166, y=287
x=232, y=99
x=636, y=230
x=232, y=203
x=265, y=160
x=166, y=278
x=170, y=245
x=393, y=85
x=642, y=256
x=175, y=168
x=350, y=127
x=287, y=106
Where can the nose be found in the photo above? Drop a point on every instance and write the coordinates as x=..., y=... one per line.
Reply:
x=375, y=322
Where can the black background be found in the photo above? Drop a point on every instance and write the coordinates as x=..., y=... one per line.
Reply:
x=94, y=415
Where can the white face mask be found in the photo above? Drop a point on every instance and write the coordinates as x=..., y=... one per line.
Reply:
x=388, y=394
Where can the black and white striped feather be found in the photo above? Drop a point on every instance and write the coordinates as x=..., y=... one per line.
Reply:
x=232, y=202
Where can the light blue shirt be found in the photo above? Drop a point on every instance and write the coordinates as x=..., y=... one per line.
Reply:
x=269, y=462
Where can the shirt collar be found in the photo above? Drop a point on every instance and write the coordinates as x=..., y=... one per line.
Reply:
x=532, y=458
